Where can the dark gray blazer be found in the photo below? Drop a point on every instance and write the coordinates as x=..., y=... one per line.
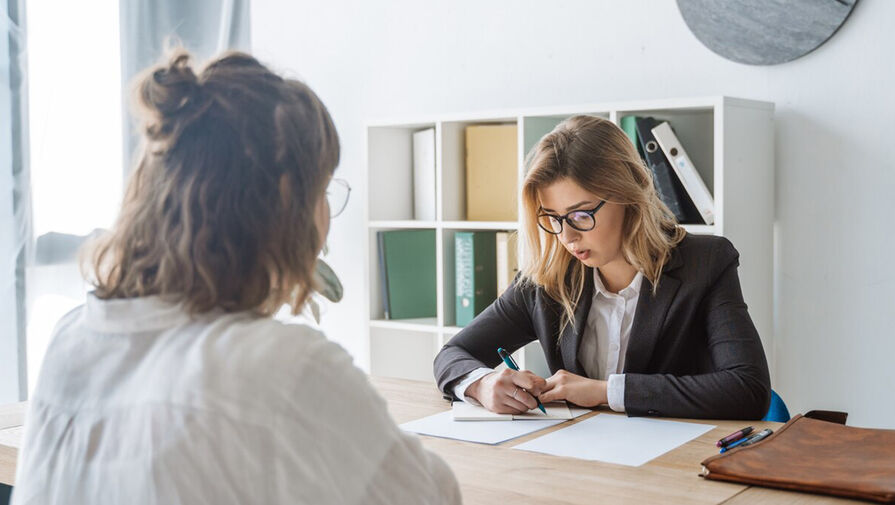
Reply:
x=693, y=350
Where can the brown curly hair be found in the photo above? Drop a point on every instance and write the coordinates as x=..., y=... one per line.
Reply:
x=219, y=212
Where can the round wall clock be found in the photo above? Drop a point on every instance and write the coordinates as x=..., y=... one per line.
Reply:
x=764, y=32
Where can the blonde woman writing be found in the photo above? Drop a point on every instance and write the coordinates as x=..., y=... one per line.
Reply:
x=173, y=385
x=631, y=311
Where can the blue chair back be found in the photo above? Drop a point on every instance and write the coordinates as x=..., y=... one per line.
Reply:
x=777, y=412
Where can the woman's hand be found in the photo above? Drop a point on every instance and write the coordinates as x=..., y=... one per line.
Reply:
x=576, y=389
x=507, y=391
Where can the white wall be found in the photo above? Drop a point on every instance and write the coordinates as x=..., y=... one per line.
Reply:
x=834, y=342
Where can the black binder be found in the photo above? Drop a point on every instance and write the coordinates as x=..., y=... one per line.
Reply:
x=669, y=187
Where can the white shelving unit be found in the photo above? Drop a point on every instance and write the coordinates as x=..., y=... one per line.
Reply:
x=730, y=140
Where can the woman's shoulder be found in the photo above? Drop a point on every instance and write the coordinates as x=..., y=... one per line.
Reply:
x=703, y=245
x=271, y=342
x=704, y=252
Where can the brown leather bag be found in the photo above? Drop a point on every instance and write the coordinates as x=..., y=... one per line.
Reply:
x=816, y=457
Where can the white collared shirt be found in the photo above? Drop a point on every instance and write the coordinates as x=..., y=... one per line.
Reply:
x=140, y=402
x=604, y=341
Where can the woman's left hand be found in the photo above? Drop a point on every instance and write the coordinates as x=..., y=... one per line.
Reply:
x=573, y=388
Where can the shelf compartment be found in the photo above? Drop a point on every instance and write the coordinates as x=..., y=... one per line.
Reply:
x=403, y=353
x=376, y=300
x=453, y=163
x=390, y=175
x=535, y=127
x=695, y=128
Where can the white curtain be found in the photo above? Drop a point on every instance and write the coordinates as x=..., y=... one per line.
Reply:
x=81, y=190
x=15, y=208
x=204, y=27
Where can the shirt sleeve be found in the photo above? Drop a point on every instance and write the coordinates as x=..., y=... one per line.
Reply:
x=411, y=474
x=466, y=381
x=615, y=391
x=359, y=448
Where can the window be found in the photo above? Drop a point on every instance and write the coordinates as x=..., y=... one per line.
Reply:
x=75, y=103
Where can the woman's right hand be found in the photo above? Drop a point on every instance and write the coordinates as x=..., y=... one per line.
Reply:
x=507, y=391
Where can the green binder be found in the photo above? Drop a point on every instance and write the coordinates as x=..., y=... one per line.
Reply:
x=629, y=125
x=475, y=255
x=407, y=271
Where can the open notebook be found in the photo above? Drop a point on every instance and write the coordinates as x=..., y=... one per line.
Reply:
x=463, y=411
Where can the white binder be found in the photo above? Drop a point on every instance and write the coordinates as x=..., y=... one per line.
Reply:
x=424, y=175
x=685, y=171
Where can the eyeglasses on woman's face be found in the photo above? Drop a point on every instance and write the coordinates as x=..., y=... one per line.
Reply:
x=581, y=220
x=337, y=193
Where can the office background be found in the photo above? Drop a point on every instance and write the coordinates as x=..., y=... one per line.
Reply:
x=835, y=167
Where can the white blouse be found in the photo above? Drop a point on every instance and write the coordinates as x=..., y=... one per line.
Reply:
x=138, y=402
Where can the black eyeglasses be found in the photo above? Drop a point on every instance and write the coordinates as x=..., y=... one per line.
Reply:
x=581, y=220
x=337, y=196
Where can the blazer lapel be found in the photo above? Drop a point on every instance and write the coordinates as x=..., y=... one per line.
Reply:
x=571, y=335
x=649, y=317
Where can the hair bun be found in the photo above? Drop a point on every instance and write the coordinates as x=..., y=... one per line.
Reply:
x=168, y=90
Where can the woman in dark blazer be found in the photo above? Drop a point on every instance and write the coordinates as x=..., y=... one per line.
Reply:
x=630, y=310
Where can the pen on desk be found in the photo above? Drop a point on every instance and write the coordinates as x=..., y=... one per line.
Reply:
x=763, y=434
x=510, y=362
x=749, y=440
x=733, y=437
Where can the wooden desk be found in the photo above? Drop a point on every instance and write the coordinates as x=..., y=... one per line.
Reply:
x=497, y=474
x=12, y=417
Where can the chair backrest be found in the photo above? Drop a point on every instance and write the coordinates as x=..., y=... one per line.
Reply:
x=777, y=412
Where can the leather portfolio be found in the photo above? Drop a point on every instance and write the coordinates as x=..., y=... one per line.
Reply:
x=817, y=457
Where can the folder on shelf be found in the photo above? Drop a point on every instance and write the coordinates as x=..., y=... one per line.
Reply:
x=670, y=189
x=475, y=256
x=629, y=126
x=507, y=264
x=686, y=172
x=492, y=165
x=407, y=273
x=424, y=175
x=815, y=456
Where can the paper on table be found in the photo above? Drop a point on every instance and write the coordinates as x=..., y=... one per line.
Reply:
x=483, y=432
x=617, y=439
x=464, y=411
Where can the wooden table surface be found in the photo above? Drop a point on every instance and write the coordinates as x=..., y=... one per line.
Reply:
x=497, y=474
x=12, y=417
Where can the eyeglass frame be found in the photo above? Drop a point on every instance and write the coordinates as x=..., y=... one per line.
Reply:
x=347, y=186
x=565, y=217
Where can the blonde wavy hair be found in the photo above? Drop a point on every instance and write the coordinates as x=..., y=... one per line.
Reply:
x=220, y=210
x=597, y=155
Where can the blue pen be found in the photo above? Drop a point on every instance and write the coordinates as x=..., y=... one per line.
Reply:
x=510, y=362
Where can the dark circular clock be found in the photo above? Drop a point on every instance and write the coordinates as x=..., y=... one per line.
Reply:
x=764, y=32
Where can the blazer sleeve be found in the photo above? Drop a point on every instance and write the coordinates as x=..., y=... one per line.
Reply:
x=505, y=323
x=740, y=385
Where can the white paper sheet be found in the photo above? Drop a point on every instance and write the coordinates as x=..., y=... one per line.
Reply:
x=630, y=441
x=464, y=411
x=483, y=432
